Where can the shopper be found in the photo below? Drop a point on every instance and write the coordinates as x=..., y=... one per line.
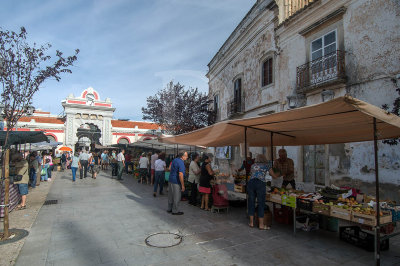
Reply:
x=40, y=163
x=44, y=174
x=33, y=169
x=159, y=175
x=49, y=157
x=286, y=168
x=95, y=161
x=128, y=161
x=153, y=160
x=21, y=169
x=114, y=166
x=104, y=160
x=143, y=165
x=63, y=161
x=83, y=164
x=74, y=165
x=194, y=178
x=121, y=164
x=207, y=174
x=176, y=183
x=256, y=189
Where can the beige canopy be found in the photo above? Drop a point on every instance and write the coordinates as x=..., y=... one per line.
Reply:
x=341, y=120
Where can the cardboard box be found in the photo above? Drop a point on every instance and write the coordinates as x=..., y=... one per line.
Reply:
x=321, y=209
x=371, y=219
x=340, y=213
x=240, y=188
x=277, y=198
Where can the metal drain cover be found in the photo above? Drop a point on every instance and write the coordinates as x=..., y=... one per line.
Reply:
x=50, y=202
x=163, y=240
x=15, y=235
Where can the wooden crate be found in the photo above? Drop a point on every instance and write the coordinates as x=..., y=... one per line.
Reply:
x=240, y=188
x=371, y=219
x=340, y=213
x=268, y=197
x=321, y=209
x=277, y=198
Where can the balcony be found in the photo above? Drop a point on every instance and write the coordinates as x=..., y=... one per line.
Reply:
x=235, y=107
x=327, y=70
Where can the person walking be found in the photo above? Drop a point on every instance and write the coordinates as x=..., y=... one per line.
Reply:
x=256, y=189
x=40, y=163
x=121, y=164
x=194, y=178
x=95, y=161
x=83, y=164
x=207, y=174
x=104, y=160
x=74, y=165
x=176, y=183
x=143, y=166
x=159, y=174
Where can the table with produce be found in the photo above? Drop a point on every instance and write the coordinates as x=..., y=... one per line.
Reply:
x=346, y=204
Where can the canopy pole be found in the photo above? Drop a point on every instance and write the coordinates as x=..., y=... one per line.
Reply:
x=378, y=222
x=272, y=148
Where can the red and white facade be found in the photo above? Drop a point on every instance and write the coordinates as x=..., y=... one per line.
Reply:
x=88, y=111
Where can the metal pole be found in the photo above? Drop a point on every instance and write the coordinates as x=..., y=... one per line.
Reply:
x=272, y=148
x=245, y=159
x=378, y=222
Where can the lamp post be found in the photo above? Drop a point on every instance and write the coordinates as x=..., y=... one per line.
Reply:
x=1, y=117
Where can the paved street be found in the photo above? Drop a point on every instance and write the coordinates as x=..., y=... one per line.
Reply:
x=105, y=222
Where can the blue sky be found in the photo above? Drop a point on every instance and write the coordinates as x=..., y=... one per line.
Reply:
x=129, y=48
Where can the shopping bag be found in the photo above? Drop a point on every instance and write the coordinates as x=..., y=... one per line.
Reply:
x=43, y=172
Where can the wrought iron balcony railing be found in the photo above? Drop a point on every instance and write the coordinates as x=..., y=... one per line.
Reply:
x=326, y=69
x=235, y=107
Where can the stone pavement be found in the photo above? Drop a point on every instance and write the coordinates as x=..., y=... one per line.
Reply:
x=105, y=222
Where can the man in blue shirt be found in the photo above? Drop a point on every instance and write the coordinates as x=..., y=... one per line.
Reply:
x=176, y=183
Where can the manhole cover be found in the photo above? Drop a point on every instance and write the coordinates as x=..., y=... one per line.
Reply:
x=163, y=240
x=50, y=202
x=15, y=235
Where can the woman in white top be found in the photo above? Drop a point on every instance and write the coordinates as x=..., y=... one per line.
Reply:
x=194, y=176
x=143, y=165
x=159, y=177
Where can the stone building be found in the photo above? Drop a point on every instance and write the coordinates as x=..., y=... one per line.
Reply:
x=88, y=119
x=292, y=53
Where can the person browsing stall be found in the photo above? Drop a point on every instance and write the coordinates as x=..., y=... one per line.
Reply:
x=246, y=165
x=286, y=168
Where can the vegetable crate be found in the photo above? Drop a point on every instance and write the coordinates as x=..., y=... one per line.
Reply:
x=355, y=236
x=371, y=219
x=289, y=201
x=395, y=214
x=341, y=213
x=321, y=209
x=304, y=204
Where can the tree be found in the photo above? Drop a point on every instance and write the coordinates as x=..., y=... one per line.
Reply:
x=23, y=69
x=178, y=110
x=395, y=110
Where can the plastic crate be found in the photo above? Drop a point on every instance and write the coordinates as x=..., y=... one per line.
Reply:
x=395, y=214
x=354, y=235
x=304, y=204
x=283, y=215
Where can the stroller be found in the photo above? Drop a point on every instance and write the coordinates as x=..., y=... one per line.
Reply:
x=220, y=198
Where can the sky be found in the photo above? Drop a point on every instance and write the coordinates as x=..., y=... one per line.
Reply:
x=129, y=49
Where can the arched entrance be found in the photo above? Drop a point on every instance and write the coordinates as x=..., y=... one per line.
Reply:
x=88, y=134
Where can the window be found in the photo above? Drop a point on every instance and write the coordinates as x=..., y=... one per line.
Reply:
x=216, y=102
x=324, y=45
x=267, y=70
x=237, y=90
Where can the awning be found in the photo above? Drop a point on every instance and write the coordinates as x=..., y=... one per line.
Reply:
x=22, y=137
x=341, y=120
x=157, y=145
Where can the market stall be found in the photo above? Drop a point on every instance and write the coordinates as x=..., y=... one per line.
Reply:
x=341, y=120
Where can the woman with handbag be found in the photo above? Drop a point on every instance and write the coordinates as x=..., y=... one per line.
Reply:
x=21, y=170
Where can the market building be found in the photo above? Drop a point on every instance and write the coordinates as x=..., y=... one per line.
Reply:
x=287, y=54
x=88, y=119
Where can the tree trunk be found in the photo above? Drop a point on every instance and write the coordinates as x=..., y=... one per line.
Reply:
x=6, y=161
